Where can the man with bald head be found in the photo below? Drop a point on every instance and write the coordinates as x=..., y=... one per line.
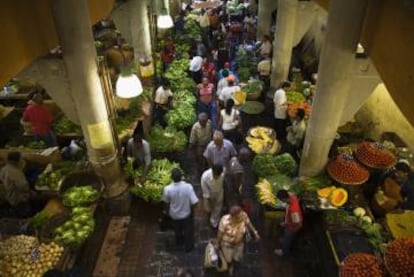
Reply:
x=219, y=151
x=200, y=136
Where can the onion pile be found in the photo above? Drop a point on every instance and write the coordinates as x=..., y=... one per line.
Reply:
x=399, y=257
x=361, y=265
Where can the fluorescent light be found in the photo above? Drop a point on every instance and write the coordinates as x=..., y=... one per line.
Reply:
x=164, y=21
x=128, y=86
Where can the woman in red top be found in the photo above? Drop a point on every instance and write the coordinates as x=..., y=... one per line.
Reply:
x=41, y=119
x=293, y=220
x=205, y=93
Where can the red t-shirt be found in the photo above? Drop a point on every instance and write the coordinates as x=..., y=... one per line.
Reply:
x=293, y=210
x=206, y=93
x=40, y=118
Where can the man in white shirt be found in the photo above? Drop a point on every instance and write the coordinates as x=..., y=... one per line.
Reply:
x=179, y=198
x=280, y=105
x=223, y=82
x=229, y=91
x=162, y=101
x=196, y=64
x=212, y=182
x=139, y=149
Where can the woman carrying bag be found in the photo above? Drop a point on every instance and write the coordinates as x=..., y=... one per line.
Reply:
x=234, y=230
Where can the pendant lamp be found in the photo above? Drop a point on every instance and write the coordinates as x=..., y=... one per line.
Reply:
x=128, y=84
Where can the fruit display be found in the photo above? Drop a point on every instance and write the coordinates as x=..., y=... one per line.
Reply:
x=361, y=265
x=338, y=197
x=285, y=164
x=265, y=192
x=399, y=257
x=345, y=170
x=295, y=97
x=262, y=140
x=280, y=181
x=22, y=256
x=79, y=196
x=292, y=108
x=401, y=225
x=374, y=155
x=359, y=212
x=157, y=178
x=373, y=232
x=76, y=229
x=51, y=176
x=325, y=192
x=166, y=140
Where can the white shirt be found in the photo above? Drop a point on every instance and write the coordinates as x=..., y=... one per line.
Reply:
x=211, y=187
x=142, y=154
x=161, y=95
x=181, y=197
x=220, y=85
x=228, y=93
x=229, y=121
x=280, y=103
x=196, y=63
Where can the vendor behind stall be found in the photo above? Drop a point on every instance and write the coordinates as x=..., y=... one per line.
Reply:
x=139, y=149
x=162, y=102
x=14, y=188
x=38, y=115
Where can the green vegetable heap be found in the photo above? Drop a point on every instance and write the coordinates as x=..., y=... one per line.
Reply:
x=182, y=117
x=166, y=140
x=66, y=126
x=265, y=165
x=77, y=229
x=51, y=179
x=295, y=97
x=80, y=196
x=191, y=27
x=285, y=164
x=158, y=177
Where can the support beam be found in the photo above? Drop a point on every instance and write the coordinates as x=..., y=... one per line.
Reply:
x=343, y=32
x=264, y=18
x=140, y=30
x=283, y=41
x=75, y=35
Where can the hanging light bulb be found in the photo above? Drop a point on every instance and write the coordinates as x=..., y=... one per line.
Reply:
x=128, y=84
x=164, y=20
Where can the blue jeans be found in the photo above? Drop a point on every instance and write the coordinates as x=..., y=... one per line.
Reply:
x=49, y=139
x=286, y=241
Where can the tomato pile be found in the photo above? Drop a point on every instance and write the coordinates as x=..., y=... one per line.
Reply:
x=345, y=170
x=361, y=265
x=372, y=155
x=399, y=257
x=292, y=108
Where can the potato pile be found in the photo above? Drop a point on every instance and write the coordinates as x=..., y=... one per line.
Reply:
x=399, y=257
x=361, y=265
x=24, y=256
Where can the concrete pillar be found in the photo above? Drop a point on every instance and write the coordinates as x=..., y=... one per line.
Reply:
x=283, y=41
x=74, y=31
x=305, y=17
x=264, y=18
x=343, y=32
x=140, y=30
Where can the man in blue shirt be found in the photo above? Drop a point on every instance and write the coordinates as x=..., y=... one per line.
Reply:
x=179, y=198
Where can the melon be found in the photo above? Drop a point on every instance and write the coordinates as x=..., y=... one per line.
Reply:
x=338, y=197
x=325, y=192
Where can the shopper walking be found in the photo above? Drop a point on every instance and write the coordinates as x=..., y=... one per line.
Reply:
x=41, y=119
x=239, y=176
x=229, y=91
x=233, y=229
x=280, y=109
x=162, y=102
x=230, y=122
x=180, y=199
x=205, y=95
x=293, y=221
x=195, y=69
x=200, y=135
x=219, y=151
x=212, y=185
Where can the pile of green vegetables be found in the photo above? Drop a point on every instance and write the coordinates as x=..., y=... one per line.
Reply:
x=166, y=140
x=295, y=97
x=183, y=97
x=234, y=7
x=183, y=84
x=66, y=126
x=40, y=144
x=76, y=229
x=265, y=165
x=181, y=117
x=253, y=86
x=80, y=196
x=157, y=178
x=177, y=69
x=191, y=28
x=51, y=178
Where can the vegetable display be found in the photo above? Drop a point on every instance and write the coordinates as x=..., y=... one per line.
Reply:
x=51, y=178
x=285, y=164
x=374, y=155
x=253, y=107
x=295, y=97
x=263, y=165
x=361, y=265
x=157, y=178
x=36, y=144
x=191, y=27
x=65, y=126
x=253, y=86
x=292, y=108
x=345, y=170
x=399, y=257
x=23, y=256
x=80, y=196
x=76, y=229
x=183, y=97
x=166, y=140
x=181, y=117
x=262, y=140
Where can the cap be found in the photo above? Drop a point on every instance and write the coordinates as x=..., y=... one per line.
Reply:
x=226, y=65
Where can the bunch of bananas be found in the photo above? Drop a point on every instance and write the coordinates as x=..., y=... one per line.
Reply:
x=265, y=192
x=260, y=141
